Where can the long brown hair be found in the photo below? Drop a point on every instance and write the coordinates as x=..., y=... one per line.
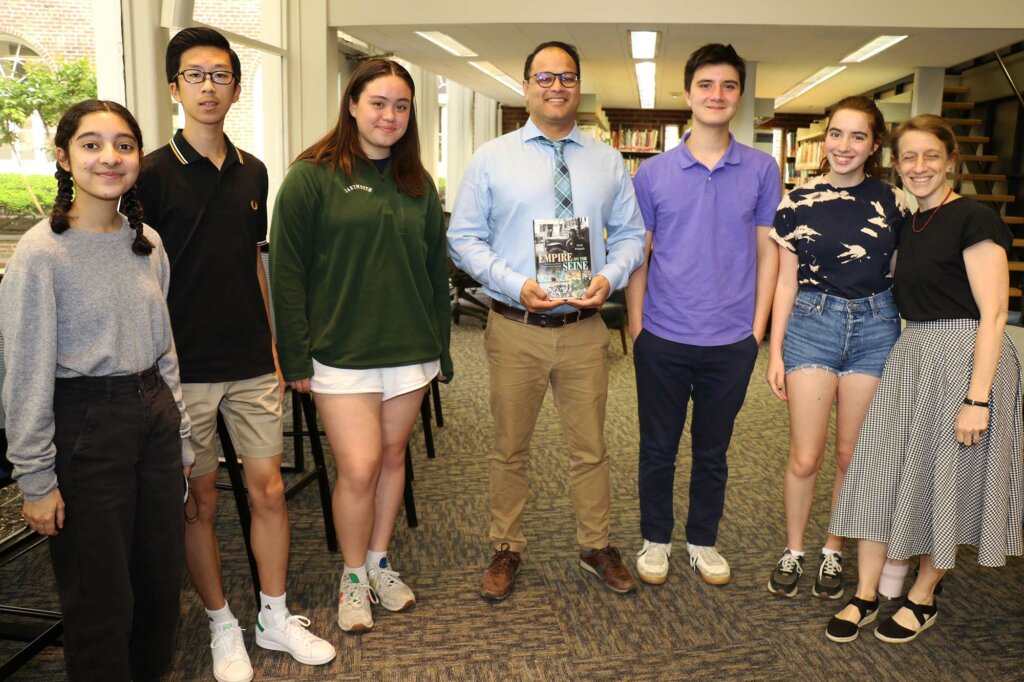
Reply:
x=876, y=121
x=933, y=125
x=340, y=147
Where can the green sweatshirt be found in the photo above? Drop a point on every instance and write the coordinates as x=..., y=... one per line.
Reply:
x=359, y=272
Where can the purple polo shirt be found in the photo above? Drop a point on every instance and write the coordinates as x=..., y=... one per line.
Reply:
x=702, y=276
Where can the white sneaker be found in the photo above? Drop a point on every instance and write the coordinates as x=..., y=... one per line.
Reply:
x=291, y=636
x=394, y=595
x=354, y=599
x=711, y=565
x=652, y=562
x=230, y=660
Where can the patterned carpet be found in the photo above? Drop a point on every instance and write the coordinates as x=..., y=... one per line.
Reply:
x=560, y=624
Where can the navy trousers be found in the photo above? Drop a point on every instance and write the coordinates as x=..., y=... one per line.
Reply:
x=668, y=375
x=119, y=560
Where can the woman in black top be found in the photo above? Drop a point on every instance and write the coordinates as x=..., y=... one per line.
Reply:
x=938, y=462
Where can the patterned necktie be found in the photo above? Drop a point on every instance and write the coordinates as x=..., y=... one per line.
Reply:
x=563, y=186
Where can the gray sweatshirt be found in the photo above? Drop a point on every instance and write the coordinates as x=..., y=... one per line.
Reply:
x=71, y=305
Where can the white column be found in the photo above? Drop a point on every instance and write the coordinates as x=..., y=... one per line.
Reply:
x=145, y=83
x=311, y=76
x=928, y=84
x=109, y=53
x=742, y=126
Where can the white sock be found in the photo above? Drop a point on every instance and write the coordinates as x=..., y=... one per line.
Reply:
x=693, y=549
x=795, y=552
x=272, y=609
x=359, y=573
x=828, y=550
x=221, y=615
x=377, y=559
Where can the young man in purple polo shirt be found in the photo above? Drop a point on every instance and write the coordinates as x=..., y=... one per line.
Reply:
x=698, y=308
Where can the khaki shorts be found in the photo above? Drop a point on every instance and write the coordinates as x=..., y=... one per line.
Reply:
x=252, y=412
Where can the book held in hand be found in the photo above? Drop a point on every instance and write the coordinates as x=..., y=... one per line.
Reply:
x=562, y=250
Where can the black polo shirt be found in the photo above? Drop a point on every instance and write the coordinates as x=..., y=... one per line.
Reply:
x=211, y=222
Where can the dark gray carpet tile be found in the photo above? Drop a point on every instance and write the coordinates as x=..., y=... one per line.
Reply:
x=758, y=661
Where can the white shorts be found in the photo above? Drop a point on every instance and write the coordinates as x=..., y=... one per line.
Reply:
x=388, y=381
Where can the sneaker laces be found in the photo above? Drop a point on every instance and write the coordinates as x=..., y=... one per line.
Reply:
x=356, y=594
x=386, y=577
x=232, y=637
x=709, y=555
x=294, y=628
x=655, y=553
x=830, y=566
x=789, y=564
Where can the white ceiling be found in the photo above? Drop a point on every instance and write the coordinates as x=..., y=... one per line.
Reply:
x=785, y=54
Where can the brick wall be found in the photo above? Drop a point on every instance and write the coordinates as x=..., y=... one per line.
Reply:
x=56, y=29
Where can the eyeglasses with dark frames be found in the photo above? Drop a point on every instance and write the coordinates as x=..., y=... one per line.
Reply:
x=196, y=76
x=546, y=79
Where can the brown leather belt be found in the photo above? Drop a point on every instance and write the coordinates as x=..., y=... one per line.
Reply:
x=537, y=320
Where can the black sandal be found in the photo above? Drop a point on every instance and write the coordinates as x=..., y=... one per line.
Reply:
x=839, y=630
x=892, y=632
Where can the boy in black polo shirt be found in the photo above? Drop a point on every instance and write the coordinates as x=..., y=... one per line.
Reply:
x=207, y=199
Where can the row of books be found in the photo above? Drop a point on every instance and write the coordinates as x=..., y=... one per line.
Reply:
x=636, y=139
x=809, y=155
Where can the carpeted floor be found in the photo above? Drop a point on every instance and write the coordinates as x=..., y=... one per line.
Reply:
x=560, y=624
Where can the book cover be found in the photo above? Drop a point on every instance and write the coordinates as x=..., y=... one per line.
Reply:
x=562, y=250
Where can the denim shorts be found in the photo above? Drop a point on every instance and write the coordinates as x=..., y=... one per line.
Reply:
x=841, y=335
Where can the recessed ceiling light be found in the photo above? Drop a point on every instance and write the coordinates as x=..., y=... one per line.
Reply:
x=869, y=50
x=645, y=83
x=500, y=76
x=808, y=83
x=447, y=43
x=644, y=44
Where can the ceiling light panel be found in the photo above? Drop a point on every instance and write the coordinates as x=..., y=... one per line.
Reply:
x=644, y=44
x=645, y=82
x=869, y=50
x=500, y=76
x=447, y=43
x=808, y=83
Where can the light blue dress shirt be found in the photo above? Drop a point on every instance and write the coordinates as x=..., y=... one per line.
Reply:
x=509, y=182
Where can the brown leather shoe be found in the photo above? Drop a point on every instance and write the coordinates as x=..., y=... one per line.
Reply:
x=500, y=576
x=607, y=565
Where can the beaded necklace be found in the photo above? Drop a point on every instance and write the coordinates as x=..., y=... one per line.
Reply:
x=913, y=220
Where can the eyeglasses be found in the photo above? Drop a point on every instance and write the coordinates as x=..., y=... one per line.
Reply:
x=546, y=79
x=196, y=76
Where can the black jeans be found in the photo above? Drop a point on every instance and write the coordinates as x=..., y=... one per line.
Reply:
x=119, y=560
x=668, y=374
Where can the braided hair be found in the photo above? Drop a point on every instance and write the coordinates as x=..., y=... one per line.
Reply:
x=130, y=204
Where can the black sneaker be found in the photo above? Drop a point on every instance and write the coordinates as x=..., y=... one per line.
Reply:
x=828, y=584
x=786, y=576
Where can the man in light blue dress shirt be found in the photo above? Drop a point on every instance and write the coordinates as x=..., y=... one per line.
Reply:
x=532, y=340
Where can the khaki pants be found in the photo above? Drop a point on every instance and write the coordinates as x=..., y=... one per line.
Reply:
x=523, y=360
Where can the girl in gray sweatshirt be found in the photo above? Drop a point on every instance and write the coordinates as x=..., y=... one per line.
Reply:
x=97, y=430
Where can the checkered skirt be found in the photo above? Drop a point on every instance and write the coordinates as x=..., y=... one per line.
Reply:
x=910, y=484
